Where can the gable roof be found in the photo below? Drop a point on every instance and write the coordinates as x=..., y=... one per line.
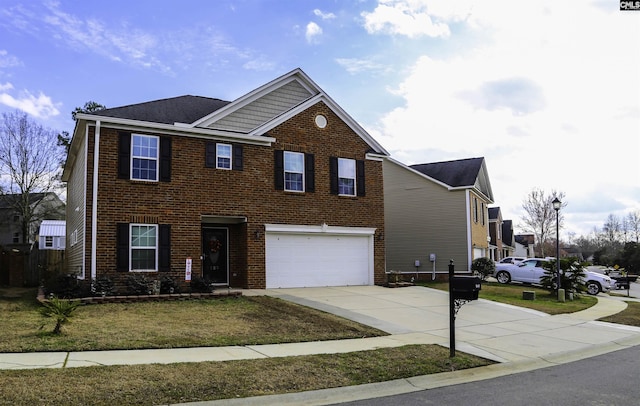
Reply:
x=246, y=119
x=10, y=201
x=494, y=212
x=507, y=232
x=461, y=173
x=181, y=109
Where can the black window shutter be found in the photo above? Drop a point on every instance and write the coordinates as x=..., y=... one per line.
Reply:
x=360, y=178
x=333, y=175
x=210, y=155
x=122, y=244
x=124, y=155
x=164, y=246
x=309, y=173
x=238, y=157
x=165, y=159
x=278, y=161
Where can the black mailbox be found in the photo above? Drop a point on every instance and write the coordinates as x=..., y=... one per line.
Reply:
x=465, y=287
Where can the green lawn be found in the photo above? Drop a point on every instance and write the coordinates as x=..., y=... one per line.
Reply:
x=232, y=321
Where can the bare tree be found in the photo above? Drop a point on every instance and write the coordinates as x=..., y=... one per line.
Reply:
x=540, y=217
x=612, y=229
x=633, y=220
x=29, y=164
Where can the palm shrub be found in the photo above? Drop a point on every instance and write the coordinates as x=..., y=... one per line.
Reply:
x=571, y=275
x=61, y=310
x=483, y=266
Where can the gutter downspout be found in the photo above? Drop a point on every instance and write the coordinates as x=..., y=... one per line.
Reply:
x=469, y=236
x=94, y=203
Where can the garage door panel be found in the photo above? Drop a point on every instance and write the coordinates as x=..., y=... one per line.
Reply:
x=299, y=260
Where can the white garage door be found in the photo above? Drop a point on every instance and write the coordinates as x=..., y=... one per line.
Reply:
x=325, y=259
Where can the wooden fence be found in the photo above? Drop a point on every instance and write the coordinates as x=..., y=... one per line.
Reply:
x=26, y=265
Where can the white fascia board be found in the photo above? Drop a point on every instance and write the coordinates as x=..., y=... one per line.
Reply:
x=375, y=157
x=429, y=178
x=135, y=125
x=255, y=94
x=321, y=229
x=322, y=97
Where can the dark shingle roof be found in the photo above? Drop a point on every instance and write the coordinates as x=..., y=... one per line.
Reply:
x=507, y=231
x=463, y=172
x=493, y=212
x=11, y=200
x=181, y=109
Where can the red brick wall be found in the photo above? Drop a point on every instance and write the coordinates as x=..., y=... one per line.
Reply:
x=195, y=190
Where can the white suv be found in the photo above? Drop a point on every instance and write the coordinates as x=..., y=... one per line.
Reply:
x=531, y=270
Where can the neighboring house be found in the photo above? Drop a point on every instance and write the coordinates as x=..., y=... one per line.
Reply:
x=508, y=239
x=42, y=206
x=437, y=208
x=524, y=245
x=52, y=235
x=279, y=188
x=495, y=232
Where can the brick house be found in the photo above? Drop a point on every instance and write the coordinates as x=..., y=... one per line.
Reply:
x=279, y=188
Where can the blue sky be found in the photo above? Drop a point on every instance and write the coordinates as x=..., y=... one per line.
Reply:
x=547, y=91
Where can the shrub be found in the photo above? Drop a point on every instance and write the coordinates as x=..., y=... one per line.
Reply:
x=64, y=286
x=168, y=285
x=102, y=286
x=199, y=285
x=483, y=266
x=571, y=275
x=138, y=284
x=60, y=310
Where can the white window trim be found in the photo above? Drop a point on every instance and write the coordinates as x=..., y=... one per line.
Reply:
x=131, y=247
x=156, y=159
x=230, y=157
x=355, y=186
x=284, y=162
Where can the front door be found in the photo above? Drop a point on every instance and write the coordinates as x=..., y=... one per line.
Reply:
x=215, y=255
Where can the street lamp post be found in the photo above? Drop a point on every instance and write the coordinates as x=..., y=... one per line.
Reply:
x=556, y=206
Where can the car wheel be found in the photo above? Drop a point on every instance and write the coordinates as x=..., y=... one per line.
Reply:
x=503, y=277
x=593, y=288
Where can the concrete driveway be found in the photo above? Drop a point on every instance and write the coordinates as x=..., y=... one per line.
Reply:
x=493, y=330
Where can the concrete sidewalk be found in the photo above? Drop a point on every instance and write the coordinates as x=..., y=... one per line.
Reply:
x=519, y=339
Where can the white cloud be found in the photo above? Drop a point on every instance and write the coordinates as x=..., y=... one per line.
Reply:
x=354, y=66
x=7, y=60
x=324, y=16
x=409, y=18
x=550, y=108
x=312, y=32
x=39, y=106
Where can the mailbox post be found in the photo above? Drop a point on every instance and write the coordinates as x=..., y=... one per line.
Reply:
x=462, y=289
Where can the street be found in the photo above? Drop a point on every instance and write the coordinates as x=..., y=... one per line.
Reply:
x=610, y=379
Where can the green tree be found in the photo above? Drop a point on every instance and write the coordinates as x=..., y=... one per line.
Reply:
x=89, y=107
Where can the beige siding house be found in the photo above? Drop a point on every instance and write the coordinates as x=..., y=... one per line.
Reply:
x=434, y=213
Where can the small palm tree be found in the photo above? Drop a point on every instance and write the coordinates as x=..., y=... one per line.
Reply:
x=59, y=310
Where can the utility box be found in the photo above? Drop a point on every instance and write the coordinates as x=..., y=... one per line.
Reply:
x=465, y=287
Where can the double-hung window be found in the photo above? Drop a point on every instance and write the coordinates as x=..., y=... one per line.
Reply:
x=144, y=247
x=346, y=177
x=223, y=156
x=144, y=157
x=293, y=171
